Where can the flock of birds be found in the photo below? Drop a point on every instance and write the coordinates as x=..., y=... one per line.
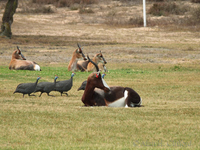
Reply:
x=45, y=87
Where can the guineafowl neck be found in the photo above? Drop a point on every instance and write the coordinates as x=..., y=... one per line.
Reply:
x=36, y=82
x=54, y=81
x=71, y=79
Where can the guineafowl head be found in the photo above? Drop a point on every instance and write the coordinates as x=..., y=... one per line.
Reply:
x=38, y=78
x=72, y=74
x=56, y=77
x=103, y=75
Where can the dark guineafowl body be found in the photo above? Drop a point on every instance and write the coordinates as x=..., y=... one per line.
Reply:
x=83, y=85
x=64, y=86
x=26, y=88
x=46, y=87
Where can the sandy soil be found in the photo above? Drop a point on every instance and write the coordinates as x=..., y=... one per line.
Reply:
x=118, y=44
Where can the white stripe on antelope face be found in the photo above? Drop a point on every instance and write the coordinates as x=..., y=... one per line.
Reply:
x=120, y=102
x=104, y=83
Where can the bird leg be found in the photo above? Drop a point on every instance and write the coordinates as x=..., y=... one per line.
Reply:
x=50, y=95
x=40, y=94
x=63, y=93
x=66, y=94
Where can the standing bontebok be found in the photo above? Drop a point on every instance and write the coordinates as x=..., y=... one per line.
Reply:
x=77, y=54
x=88, y=66
x=98, y=93
x=19, y=62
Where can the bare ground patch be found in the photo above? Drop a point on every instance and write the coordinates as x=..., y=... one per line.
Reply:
x=49, y=38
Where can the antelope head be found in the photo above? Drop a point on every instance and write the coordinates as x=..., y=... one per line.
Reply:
x=99, y=58
x=17, y=54
x=102, y=58
x=79, y=53
x=95, y=79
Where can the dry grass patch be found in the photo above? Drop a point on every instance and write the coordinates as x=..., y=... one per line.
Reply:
x=161, y=64
x=169, y=118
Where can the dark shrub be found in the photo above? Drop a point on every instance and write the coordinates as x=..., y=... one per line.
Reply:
x=195, y=1
x=65, y=3
x=166, y=8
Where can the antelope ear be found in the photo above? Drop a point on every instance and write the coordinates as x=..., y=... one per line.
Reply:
x=19, y=52
x=78, y=50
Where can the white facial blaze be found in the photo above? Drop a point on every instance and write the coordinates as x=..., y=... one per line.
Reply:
x=104, y=67
x=105, y=84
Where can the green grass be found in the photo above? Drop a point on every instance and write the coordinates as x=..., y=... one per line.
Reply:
x=168, y=120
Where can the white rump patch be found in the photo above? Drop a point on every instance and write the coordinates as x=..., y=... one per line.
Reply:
x=105, y=84
x=138, y=104
x=37, y=67
x=120, y=102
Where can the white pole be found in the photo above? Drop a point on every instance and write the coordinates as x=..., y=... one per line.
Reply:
x=144, y=13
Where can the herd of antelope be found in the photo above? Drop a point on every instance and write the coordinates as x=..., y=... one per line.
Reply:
x=96, y=90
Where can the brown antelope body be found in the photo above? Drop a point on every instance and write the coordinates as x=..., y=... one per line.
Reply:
x=19, y=62
x=115, y=96
x=77, y=54
x=88, y=66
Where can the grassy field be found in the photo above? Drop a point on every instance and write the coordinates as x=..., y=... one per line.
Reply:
x=168, y=120
x=161, y=63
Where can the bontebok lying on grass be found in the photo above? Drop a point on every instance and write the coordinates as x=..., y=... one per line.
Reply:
x=77, y=54
x=115, y=96
x=88, y=66
x=19, y=62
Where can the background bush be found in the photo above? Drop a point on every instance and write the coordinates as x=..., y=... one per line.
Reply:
x=65, y=3
x=195, y=1
x=167, y=8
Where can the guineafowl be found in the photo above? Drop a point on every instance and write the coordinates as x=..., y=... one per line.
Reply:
x=26, y=88
x=46, y=87
x=64, y=86
x=83, y=85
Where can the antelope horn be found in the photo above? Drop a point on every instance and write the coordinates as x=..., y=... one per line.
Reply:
x=21, y=53
x=93, y=63
x=78, y=46
x=18, y=48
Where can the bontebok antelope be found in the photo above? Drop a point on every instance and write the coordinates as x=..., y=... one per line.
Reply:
x=19, y=62
x=98, y=93
x=88, y=66
x=77, y=54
